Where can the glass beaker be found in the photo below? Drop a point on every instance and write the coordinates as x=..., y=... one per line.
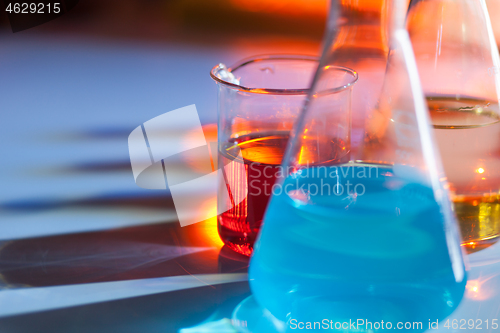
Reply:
x=370, y=235
x=459, y=67
x=259, y=100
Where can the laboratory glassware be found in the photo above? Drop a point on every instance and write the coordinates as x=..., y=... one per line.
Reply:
x=364, y=234
x=459, y=67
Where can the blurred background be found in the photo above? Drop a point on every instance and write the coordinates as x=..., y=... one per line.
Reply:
x=212, y=23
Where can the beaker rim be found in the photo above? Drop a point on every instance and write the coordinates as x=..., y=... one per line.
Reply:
x=274, y=91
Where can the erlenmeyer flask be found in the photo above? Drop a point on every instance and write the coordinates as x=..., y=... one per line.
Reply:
x=459, y=67
x=365, y=236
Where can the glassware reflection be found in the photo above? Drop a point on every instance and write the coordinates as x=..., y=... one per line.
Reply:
x=459, y=67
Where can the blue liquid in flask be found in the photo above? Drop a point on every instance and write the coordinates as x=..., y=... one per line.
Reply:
x=356, y=241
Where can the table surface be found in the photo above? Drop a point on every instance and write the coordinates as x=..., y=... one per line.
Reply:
x=82, y=248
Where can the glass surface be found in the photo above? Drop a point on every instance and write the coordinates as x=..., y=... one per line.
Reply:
x=365, y=234
x=259, y=101
x=458, y=63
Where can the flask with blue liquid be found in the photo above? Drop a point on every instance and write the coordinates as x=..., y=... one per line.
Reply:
x=370, y=235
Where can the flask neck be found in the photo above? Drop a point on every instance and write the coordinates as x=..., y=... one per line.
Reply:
x=357, y=29
x=366, y=23
x=397, y=12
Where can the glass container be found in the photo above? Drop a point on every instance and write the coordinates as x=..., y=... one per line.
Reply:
x=259, y=100
x=367, y=233
x=459, y=68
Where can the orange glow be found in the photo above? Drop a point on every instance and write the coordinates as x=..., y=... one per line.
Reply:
x=210, y=131
x=259, y=91
x=363, y=36
x=473, y=287
x=205, y=233
x=210, y=232
x=255, y=140
x=301, y=154
x=480, y=290
x=369, y=37
x=480, y=170
x=471, y=244
x=365, y=5
x=287, y=7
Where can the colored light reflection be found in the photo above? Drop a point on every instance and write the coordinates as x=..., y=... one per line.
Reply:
x=290, y=7
x=209, y=226
x=205, y=233
x=479, y=289
x=301, y=7
x=208, y=230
